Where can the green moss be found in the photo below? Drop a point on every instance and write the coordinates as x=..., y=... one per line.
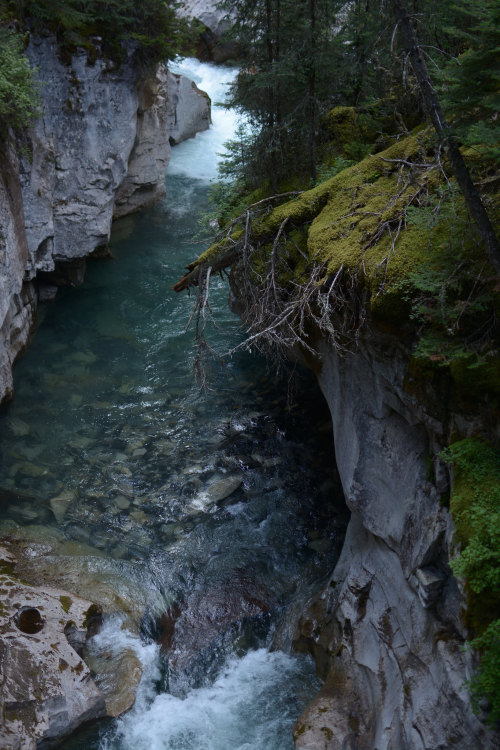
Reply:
x=6, y=567
x=327, y=732
x=345, y=233
x=342, y=127
x=402, y=235
x=217, y=250
x=66, y=603
x=93, y=614
x=475, y=507
x=79, y=668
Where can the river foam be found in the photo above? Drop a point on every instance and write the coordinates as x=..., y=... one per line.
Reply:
x=251, y=705
x=199, y=157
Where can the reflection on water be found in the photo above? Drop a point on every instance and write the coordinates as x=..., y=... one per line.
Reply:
x=136, y=490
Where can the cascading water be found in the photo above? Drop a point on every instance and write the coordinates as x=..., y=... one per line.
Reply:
x=200, y=517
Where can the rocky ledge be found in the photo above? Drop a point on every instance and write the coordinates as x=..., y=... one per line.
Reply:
x=54, y=674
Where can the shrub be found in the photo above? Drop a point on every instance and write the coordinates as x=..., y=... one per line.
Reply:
x=18, y=91
x=475, y=506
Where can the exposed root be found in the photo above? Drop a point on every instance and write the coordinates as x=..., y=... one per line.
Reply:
x=290, y=306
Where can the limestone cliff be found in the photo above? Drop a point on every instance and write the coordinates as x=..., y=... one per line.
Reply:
x=99, y=150
x=388, y=630
x=47, y=689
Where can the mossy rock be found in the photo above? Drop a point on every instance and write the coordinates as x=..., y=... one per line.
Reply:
x=342, y=217
x=360, y=201
x=475, y=508
x=342, y=127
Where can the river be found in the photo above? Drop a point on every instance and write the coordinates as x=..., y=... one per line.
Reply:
x=213, y=510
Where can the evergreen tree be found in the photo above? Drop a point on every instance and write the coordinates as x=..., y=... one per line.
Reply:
x=287, y=47
x=152, y=25
x=436, y=116
x=18, y=91
x=471, y=84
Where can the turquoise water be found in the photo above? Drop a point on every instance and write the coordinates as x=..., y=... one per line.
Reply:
x=138, y=490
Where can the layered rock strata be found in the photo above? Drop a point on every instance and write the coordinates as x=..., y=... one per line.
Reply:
x=99, y=150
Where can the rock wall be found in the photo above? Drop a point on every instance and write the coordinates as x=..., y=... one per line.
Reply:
x=99, y=150
x=212, y=44
x=387, y=632
x=17, y=298
x=206, y=11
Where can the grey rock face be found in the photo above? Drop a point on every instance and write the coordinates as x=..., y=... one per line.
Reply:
x=17, y=298
x=207, y=12
x=81, y=148
x=191, y=108
x=386, y=632
x=171, y=109
x=212, y=46
x=98, y=151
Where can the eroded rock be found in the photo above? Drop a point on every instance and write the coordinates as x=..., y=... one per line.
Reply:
x=387, y=632
x=47, y=689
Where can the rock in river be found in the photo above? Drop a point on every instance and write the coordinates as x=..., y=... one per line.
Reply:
x=222, y=488
x=47, y=689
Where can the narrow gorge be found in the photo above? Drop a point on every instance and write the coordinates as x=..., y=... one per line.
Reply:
x=266, y=563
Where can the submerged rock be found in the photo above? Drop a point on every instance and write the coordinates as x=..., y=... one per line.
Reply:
x=222, y=488
x=60, y=504
x=189, y=632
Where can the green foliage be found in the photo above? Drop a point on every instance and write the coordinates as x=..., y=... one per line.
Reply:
x=486, y=683
x=475, y=506
x=152, y=25
x=303, y=59
x=290, y=55
x=18, y=91
x=451, y=295
x=326, y=171
x=471, y=84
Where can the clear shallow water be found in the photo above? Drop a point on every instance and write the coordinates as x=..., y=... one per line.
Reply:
x=135, y=489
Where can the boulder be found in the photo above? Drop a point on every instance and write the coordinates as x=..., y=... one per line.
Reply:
x=194, y=633
x=190, y=107
x=47, y=689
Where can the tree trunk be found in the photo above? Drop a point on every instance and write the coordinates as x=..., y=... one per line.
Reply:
x=435, y=113
x=311, y=85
